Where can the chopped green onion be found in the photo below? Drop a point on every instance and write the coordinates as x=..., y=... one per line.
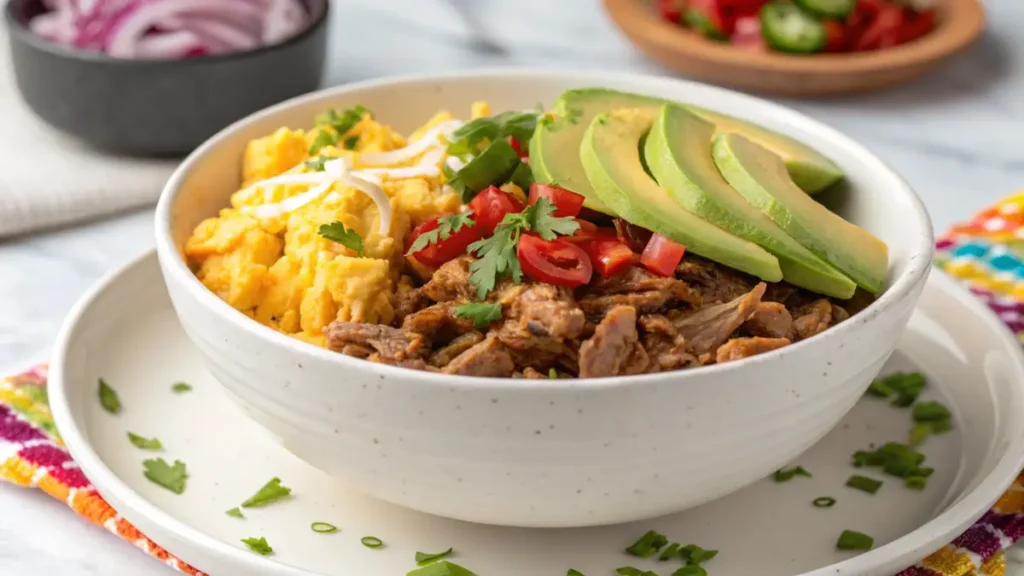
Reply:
x=850, y=540
x=372, y=542
x=895, y=459
x=931, y=412
x=426, y=557
x=919, y=433
x=572, y=572
x=786, y=475
x=648, y=545
x=824, y=502
x=552, y=374
x=180, y=387
x=907, y=386
x=630, y=571
x=442, y=568
x=258, y=545
x=235, y=512
x=693, y=554
x=863, y=483
x=880, y=389
x=691, y=570
x=916, y=482
x=671, y=552
x=941, y=426
x=323, y=527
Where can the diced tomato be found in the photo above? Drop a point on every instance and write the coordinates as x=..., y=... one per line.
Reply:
x=709, y=18
x=748, y=35
x=490, y=206
x=518, y=147
x=437, y=253
x=609, y=255
x=671, y=10
x=587, y=232
x=741, y=8
x=566, y=202
x=883, y=31
x=916, y=24
x=556, y=262
x=662, y=255
x=838, y=36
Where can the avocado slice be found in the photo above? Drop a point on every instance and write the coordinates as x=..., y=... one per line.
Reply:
x=556, y=140
x=678, y=152
x=811, y=170
x=610, y=156
x=761, y=177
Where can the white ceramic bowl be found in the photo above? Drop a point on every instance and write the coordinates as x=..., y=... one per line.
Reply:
x=542, y=453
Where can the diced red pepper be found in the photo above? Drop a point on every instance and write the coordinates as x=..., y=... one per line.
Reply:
x=609, y=256
x=490, y=206
x=662, y=255
x=566, y=202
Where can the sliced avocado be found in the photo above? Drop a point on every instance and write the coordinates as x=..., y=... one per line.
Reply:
x=678, y=151
x=761, y=177
x=610, y=156
x=810, y=169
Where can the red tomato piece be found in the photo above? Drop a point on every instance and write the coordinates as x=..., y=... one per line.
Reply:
x=662, y=255
x=587, y=232
x=741, y=8
x=490, y=206
x=916, y=24
x=838, y=38
x=609, y=256
x=556, y=262
x=883, y=31
x=748, y=35
x=437, y=253
x=518, y=147
x=671, y=10
x=709, y=18
x=566, y=202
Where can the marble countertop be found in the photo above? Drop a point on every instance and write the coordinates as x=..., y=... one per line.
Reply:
x=957, y=136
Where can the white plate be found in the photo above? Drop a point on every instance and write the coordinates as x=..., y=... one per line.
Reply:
x=126, y=333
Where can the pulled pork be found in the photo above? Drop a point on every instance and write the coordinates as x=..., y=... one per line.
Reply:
x=633, y=323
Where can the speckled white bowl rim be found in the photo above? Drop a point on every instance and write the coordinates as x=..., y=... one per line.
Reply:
x=919, y=256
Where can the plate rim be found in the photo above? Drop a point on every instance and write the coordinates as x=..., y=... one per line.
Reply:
x=128, y=503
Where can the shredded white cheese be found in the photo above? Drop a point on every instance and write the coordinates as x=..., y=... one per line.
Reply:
x=414, y=149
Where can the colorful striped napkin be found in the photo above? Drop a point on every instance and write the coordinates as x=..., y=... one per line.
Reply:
x=987, y=254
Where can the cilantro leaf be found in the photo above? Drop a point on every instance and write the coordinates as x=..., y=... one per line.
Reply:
x=235, y=512
x=481, y=313
x=351, y=142
x=441, y=568
x=336, y=232
x=258, y=545
x=144, y=443
x=423, y=558
x=108, y=398
x=323, y=138
x=495, y=256
x=316, y=164
x=180, y=387
x=343, y=121
x=472, y=137
x=541, y=220
x=159, y=472
x=446, y=226
x=271, y=492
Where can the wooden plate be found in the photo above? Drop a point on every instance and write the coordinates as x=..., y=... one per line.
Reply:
x=959, y=23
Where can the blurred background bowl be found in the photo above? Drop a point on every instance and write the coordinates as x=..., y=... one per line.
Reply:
x=158, y=107
x=958, y=23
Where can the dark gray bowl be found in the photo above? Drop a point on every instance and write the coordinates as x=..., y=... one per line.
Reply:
x=158, y=107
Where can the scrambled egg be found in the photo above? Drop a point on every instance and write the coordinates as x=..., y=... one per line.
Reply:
x=279, y=271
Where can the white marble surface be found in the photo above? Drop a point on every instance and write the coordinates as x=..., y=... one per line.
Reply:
x=957, y=136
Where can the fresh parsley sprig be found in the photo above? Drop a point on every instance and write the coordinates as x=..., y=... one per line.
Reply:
x=496, y=256
x=336, y=232
x=446, y=226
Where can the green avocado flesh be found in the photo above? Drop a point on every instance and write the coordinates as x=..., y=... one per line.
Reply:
x=610, y=159
x=762, y=178
x=678, y=152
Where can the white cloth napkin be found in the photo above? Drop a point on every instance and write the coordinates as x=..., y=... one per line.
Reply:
x=48, y=179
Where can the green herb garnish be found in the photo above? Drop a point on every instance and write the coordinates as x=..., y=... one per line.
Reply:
x=144, y=443
x=371, y=541
x=916, y=482
x=446, y=226
x=919, y=433
x=552, y=373
x=159, y=472
x=894, y=458
x=786, y=475
x=931, y=412
x=351, y=142
x=343, y=121
x=850, y=540
x=270, y=492
x=693, y=554
x=863, y=483
x=108, y=398
x=941, y=426
x=481, y=313
x=258, y=545
x=323, y=138
x=671, y=552
x=630, y=571
x=423, y=558
x=316, y=164
x=691, y=570
x=347, y=237
x=648, y=545
x=474, y=136
x=904, y=386
x=442, y=568
x=235, y=512
x=180, y=387
x=323, y=527
x=572, y=572
x=824, y=502
x=496, y=256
